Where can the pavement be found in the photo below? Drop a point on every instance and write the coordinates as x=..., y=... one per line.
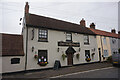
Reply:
x=109, y=72
x=52, y=73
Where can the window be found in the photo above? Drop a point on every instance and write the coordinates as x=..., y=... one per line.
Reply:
x=105, y=53
x=42, y=56
x=87, y=53
x=104, y=40
x=68, y=37
x=15, y=60
x=113, y=41
x=43, y=35
x=86, y=39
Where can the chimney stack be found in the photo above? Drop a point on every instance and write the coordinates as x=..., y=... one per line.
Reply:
x=92, y=25
x=82, y=23
x=26, y=7
x=113, y=31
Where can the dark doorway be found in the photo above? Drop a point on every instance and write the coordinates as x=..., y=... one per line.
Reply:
x=70, y=51
x=99, y=54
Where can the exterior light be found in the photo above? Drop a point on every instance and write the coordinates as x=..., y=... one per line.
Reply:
x=58, y=49
x=32, y=48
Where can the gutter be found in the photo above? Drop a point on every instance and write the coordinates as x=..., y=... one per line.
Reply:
x=101, y=44
x=26, y=46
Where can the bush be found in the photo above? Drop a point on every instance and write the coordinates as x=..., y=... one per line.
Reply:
x=64, y=56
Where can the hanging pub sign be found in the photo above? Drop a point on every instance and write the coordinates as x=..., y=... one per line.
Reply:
x=32, y=34
x=74, y=44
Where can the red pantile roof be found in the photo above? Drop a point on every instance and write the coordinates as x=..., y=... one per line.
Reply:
x=104, y=33
x=12, y=45
x=50, y=23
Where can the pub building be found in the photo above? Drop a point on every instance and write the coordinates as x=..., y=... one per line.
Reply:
x=47, y=40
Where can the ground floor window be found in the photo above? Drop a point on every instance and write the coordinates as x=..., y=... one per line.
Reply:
x=15, y=60
x=105, y=53
x=42, y=57
x=87, y=55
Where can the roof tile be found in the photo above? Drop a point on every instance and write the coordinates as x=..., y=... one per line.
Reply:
x=104, y=33
x=50, y=23
x=12, y=45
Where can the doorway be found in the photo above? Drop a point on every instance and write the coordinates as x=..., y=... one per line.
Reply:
x=99, y=54
x=70, y=59
x=70, y=51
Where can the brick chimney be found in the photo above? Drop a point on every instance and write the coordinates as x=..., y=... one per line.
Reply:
x=113, y=31
x=92, y=25
x=82, y=23
x=26, y=7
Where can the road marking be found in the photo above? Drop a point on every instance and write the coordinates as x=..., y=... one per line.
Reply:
x=81, y=72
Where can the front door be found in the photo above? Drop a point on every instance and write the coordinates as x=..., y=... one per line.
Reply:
x=99, y=54
x=70, y=58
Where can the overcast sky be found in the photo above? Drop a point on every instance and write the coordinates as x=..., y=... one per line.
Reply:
x=103, y=14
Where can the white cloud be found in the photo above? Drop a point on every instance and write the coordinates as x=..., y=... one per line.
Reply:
x=103, y=14
x=60, y=0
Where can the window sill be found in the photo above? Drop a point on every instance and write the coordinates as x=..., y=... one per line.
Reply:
x=42, y=40
x=68, y=41
x=86, y=43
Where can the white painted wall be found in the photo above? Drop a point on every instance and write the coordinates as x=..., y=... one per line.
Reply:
x=52, y=45
x=8, y=67
x=114, y=46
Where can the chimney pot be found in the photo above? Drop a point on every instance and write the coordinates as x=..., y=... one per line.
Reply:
x=118, y=32
x=92, y=25
x=113, y=31
x=26, y=7
x=82, y=23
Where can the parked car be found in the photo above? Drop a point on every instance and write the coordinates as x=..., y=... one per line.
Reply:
x=116, y=59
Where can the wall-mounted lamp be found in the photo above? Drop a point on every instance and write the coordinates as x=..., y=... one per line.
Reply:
x=58, y=49
x=32, y=48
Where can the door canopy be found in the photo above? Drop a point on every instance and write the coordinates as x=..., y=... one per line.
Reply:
x=70, y=49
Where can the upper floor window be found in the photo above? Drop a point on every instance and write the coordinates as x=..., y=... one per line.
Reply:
x=104, y=40
x=68, y=36
x=86, y=39
x=42, y=35
x=113, y=41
